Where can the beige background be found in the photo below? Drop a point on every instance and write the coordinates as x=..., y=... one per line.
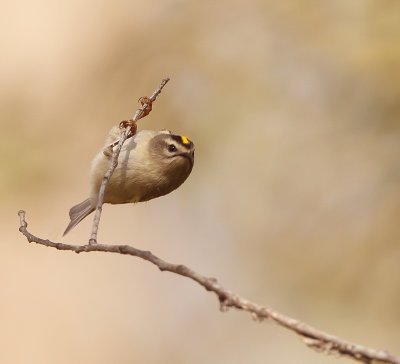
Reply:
x=293, y=202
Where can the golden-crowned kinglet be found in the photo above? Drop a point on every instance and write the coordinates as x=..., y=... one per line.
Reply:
x=151, y=164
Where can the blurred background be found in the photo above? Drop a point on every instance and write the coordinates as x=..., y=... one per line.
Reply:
x=293, y=202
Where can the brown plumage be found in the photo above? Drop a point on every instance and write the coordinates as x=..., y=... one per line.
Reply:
x=151, y=164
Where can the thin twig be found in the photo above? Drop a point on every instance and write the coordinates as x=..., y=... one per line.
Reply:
x=312, y=337
x=141, y=112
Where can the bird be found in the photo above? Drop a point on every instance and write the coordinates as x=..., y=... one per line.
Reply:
x=151, y=164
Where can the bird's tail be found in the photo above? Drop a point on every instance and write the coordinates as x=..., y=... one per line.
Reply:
x=78, y=213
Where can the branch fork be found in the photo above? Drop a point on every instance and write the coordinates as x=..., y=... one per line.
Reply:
x=130, y=130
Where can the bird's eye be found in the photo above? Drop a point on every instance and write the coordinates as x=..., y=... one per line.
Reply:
x=171, y=148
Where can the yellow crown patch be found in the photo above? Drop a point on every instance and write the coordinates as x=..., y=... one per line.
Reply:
x=185, y=140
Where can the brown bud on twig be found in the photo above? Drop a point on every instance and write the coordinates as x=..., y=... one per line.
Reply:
x=129, y=124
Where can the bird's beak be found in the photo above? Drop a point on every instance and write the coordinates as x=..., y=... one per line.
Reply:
x=189, y=156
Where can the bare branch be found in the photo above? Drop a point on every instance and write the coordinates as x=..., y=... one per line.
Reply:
x=141, y=112
x=312, y=337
